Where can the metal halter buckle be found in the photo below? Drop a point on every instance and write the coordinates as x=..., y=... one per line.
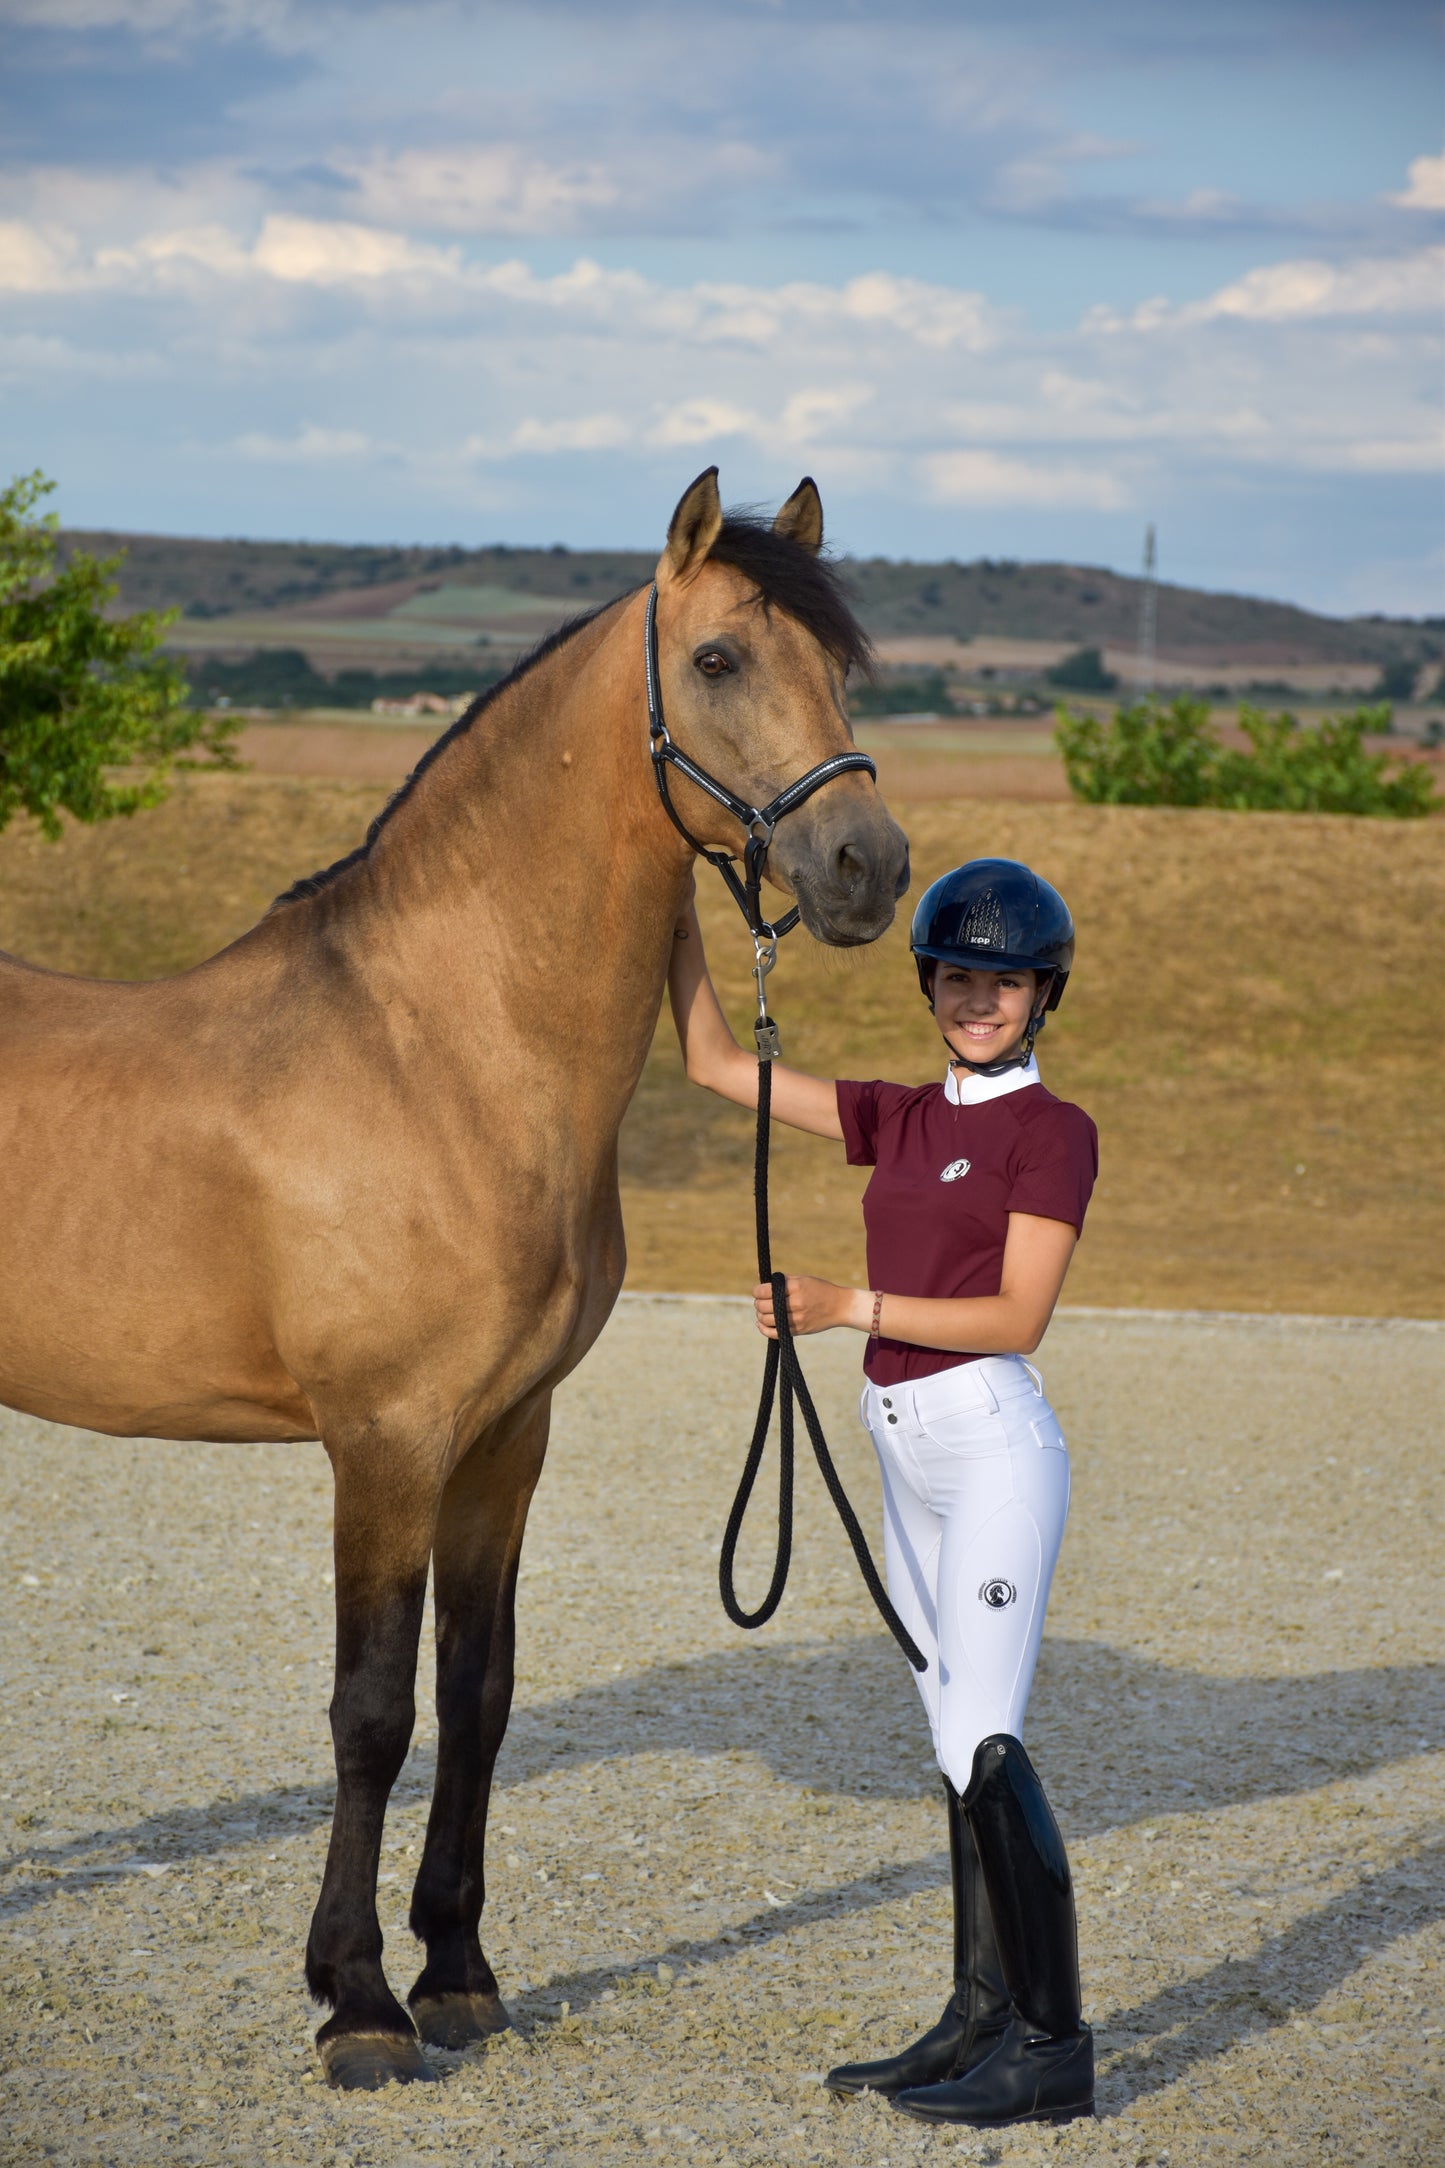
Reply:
x=765, y=1031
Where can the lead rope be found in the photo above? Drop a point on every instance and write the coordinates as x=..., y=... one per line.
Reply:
x=782, y=1361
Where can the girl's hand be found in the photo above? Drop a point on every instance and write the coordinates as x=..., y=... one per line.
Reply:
x=813, y=1306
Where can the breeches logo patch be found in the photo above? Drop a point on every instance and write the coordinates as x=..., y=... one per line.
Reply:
x=997, y=1594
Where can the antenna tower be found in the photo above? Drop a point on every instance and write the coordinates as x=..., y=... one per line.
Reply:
x=1148, y=600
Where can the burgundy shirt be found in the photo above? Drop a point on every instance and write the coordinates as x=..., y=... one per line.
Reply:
x=945, y=1179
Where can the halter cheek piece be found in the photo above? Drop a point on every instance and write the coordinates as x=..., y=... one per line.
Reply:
x=758, y=822
x=783, y=1378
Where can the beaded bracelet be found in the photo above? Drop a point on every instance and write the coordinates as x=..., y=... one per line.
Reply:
x=877, y=1315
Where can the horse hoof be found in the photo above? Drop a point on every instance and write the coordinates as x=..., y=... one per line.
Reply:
x=455, y=2021
x=364, y=2062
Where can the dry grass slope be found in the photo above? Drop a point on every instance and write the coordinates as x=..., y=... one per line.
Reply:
x=1255, y=1025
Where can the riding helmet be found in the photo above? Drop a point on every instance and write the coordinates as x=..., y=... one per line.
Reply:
x=995, y=915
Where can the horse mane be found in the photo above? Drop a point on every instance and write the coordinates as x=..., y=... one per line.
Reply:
x=312, y=884
x=797, y=581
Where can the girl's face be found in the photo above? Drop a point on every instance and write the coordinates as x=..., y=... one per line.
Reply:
x=983, y=1014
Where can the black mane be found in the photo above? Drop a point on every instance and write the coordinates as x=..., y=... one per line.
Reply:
x=782, y=572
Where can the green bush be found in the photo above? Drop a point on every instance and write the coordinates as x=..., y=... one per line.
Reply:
x=1170, y=753
x=924, y=695
x=1082, y=672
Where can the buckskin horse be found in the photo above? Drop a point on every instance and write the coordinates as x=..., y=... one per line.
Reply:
x=355, y=1177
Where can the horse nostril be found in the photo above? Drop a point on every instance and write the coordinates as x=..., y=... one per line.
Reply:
x=850, y=865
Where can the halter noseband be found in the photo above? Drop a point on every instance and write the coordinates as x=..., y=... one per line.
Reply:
x=758, y=821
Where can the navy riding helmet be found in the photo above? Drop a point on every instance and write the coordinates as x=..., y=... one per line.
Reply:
x=995, y=915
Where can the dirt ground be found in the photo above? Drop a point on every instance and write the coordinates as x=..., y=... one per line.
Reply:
x=718, y=1860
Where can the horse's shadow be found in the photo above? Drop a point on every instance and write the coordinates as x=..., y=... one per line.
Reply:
x=1121, y=1738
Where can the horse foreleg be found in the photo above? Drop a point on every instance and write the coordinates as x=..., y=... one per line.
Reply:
x=384, y=1523
x=478, y=1546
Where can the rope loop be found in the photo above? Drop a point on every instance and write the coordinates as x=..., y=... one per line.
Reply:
x=784, y=1382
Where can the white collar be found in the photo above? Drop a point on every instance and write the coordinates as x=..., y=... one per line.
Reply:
x=962, y=1089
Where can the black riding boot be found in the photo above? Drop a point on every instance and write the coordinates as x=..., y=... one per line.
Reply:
x=1042, y=2070
x=976, y=2013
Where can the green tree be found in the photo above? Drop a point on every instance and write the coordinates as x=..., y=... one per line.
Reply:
x=1082, y=672
x=1170, y=753
x=93, y=720
x=1397, y=680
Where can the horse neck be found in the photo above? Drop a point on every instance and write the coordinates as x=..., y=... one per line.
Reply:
x=532, y=845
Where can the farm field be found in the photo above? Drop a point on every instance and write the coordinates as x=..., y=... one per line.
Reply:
x=1255, y=1024
x=927, y=761
x=717, y=1860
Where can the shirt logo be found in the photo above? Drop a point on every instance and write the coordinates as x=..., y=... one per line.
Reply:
x=955, y=1170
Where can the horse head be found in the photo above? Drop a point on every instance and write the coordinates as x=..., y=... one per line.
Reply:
x=755, y=641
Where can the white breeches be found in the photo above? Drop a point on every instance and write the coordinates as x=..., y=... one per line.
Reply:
x=975, y=1494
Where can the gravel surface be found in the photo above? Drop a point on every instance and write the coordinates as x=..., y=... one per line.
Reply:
x=718, y=1859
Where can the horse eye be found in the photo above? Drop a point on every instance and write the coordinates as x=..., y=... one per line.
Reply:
x=712, y=664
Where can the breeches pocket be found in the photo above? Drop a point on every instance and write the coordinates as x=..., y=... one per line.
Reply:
x=1046, y=1432
x=968, y=1433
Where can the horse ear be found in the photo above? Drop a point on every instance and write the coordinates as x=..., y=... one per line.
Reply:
x=801, y=518
x=692, y=530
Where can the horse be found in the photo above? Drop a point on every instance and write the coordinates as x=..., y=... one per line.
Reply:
x=355, y=1179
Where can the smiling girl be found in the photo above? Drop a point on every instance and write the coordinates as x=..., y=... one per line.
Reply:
x=972, y=1212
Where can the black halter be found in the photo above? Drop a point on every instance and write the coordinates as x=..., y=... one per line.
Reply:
x=758, y=821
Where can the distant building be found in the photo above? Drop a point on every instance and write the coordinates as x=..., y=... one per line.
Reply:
x=424, y=704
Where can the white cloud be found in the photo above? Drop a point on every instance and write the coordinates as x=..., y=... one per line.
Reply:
x=34, y=262
x=333, y=252
x=481, y=189
x=1426, y=187
x=914, y=390
x=984, y=478
x=1378, y=286
x=1306, y=289
x=572, y=433
x=312, y=444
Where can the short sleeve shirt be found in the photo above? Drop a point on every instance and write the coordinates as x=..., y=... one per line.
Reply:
x=945, y=1179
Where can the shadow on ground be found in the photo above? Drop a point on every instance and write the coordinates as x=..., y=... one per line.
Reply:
x=1121, y=1739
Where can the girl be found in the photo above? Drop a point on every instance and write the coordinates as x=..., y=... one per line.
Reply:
x=975, y=1203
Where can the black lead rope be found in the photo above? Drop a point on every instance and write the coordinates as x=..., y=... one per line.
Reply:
x=758, y=823
x=782, y=1361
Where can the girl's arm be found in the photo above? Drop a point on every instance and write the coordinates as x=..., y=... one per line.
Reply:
x=714, y=1058
x=1012, y=1322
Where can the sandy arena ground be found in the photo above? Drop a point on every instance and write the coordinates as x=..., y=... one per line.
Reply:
x=717, y=1859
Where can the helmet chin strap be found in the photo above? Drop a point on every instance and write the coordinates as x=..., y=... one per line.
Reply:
x=1019, y=1059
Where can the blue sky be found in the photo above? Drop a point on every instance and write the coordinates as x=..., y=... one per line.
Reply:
x=1009, y=280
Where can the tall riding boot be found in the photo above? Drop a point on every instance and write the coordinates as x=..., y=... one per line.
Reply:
x=1042, y=2070
x=978, y=2010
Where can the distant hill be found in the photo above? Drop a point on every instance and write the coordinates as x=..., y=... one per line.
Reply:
x=301, y=585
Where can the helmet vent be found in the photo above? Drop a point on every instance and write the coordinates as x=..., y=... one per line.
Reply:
x=984, y=926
